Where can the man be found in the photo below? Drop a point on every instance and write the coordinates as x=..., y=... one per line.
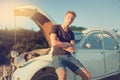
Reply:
x=62, y=40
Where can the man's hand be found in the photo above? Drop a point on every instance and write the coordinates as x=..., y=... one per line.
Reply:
x=69, y=47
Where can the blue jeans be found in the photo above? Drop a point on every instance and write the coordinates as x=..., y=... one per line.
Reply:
x=63, y=61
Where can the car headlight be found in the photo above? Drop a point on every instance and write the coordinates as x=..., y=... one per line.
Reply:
x=14, y=54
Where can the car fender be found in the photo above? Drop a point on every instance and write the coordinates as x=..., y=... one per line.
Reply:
x=27, y=71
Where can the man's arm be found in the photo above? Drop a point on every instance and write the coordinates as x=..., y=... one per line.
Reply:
x=71, y=47
x=56, y=42
x=65, y=45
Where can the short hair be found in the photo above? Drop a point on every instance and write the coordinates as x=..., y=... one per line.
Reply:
x=71, y=12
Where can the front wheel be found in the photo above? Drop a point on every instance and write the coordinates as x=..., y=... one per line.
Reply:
x=45, y=74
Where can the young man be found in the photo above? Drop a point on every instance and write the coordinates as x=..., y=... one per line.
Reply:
x=62, y=40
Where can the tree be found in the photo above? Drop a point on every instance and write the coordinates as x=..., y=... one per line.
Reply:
x=3, y=57
x=75, y=28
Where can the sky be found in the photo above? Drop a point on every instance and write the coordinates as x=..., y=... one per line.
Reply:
x=90, y=13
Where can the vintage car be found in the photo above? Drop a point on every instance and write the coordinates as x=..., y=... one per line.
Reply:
x=97, y=49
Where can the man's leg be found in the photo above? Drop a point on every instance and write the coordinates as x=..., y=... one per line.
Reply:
x=78, y=68
x=61, y=73
x=84, y=74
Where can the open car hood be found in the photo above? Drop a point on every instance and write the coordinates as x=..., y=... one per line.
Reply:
x=44, y=22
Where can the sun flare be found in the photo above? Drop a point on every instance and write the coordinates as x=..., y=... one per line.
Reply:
x=7, y=18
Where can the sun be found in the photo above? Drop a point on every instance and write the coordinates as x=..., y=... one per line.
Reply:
x=6, y=15
x=7, y=18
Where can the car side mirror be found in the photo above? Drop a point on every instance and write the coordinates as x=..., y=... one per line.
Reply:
x=88, y=45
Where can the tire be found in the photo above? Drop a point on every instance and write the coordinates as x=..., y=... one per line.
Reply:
x=45, y=74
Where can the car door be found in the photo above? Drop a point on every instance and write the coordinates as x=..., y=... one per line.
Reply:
x=90, y=54
x=111, y=53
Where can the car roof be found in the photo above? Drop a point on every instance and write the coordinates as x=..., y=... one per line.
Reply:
x=97, y=29
x=100, y=29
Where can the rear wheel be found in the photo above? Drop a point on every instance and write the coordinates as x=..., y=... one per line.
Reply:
x=45, y=74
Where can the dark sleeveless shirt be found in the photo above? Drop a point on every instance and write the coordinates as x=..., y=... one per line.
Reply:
x=63, y=37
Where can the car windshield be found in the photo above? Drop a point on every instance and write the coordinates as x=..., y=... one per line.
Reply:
x=78, y=36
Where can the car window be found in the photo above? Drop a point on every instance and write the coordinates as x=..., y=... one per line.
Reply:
x=118, y=39
x=109, y=42
x=78, y=36
x=93, y=41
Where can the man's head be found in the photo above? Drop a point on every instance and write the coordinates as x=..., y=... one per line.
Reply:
x=71, y=12
x=69, y=17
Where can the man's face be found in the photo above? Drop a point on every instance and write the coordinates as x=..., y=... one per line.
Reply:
x=68, y=19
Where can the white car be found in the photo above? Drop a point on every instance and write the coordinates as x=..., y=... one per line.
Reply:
x=97, y=49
